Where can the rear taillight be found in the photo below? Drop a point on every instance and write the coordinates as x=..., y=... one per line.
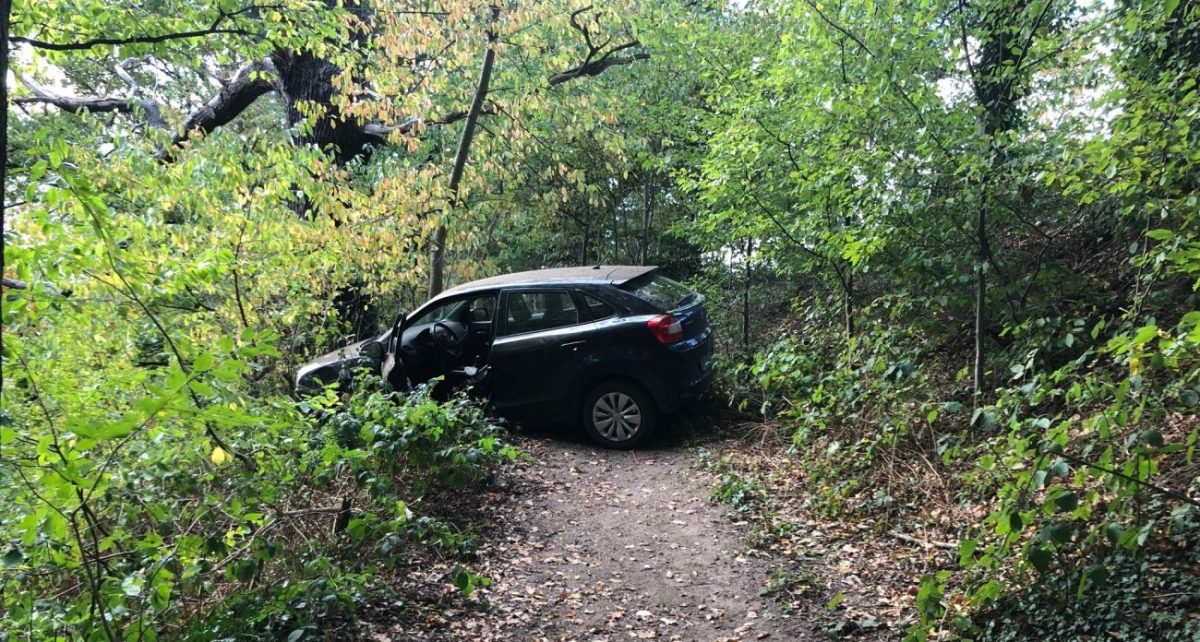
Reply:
x=666, y=328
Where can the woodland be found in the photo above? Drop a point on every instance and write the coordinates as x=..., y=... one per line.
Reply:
x=950, y=250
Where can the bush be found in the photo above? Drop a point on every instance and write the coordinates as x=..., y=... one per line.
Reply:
x=149, y=535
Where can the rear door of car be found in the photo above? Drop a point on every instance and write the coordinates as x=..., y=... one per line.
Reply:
x=541, y=337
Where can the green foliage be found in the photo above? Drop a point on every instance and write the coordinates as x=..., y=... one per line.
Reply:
x=865, y=177
x=388, y=440
x=861, y=190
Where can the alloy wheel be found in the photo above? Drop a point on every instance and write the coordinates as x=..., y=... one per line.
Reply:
x=616, y=416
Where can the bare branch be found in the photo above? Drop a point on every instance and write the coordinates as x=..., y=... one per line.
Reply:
x=411, y=125
x=214, y=28
x=596, y=67
x=100, y=42
x=124, y=74
x=591, y=65
x=75, y=104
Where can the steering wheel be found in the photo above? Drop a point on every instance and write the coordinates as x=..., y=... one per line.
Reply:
x=446, y=339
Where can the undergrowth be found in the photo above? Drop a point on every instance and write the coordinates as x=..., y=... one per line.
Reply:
x=1070, y=493
x=329, y=521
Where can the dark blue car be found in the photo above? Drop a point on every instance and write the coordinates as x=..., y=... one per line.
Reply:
x=611, y=347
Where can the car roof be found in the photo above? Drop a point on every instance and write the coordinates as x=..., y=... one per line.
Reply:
x=594, y=274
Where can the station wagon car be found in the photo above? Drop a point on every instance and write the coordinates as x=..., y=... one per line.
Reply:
x=609, y=347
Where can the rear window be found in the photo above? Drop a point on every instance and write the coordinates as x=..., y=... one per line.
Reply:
x=659, y=291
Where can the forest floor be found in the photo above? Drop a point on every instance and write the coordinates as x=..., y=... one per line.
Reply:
x=589, y=544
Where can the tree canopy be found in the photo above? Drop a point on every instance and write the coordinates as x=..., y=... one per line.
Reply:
x=963, y=232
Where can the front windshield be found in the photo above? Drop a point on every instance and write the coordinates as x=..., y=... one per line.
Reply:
x=452, y=310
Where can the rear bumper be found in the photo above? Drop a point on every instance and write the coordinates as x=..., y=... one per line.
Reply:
x=693, y=374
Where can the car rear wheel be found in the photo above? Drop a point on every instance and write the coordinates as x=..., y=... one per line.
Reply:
x=618, y=415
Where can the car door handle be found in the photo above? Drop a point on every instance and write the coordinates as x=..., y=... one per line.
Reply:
x=574, y=345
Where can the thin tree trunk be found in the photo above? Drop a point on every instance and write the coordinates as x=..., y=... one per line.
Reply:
x=848, y=304
x=583, y=248
x=4, y=11
x=746, y=299
x=982, y=253
x=437, y=251
x=647, y=219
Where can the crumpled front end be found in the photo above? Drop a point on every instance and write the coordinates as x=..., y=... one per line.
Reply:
x=337, y=366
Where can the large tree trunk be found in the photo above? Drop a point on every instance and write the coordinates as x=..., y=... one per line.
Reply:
x=304, y=79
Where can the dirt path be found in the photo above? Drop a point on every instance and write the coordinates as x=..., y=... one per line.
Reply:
x=607, y=545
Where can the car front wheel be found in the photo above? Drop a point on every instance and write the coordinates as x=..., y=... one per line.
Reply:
x=618, y=415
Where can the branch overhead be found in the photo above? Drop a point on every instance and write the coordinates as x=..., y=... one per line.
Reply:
x=248, y=84
x=596, y=67
x=599, y=56
x=147, y=109
x=214, y=28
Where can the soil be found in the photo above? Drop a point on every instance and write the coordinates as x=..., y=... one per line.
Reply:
x=621, y=545
x=601, y=545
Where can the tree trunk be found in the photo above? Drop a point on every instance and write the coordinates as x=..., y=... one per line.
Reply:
x=4, y=11
x=583, y=248
x=980, y=302
x=746, y=298
x=647, y=219
x=437, y=250
x=848, y=303
x=998, y=88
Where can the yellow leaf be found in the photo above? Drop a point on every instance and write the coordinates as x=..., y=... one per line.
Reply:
x=219, y=456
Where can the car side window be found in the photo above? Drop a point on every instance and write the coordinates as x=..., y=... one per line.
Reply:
x=478, y=309
x=594, y=309
x=483, y=309
x=540, y=310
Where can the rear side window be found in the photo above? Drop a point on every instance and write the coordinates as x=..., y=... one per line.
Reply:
x=594, y=309
x=533, y=311
x=659, y=291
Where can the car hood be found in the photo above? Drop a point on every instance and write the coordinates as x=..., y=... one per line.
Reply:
x=333, y=363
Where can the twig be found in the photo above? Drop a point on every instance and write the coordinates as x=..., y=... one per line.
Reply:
x=949, y=546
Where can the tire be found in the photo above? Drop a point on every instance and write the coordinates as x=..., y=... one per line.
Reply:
x=618, y=415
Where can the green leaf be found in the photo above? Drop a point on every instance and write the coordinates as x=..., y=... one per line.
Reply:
x=244, y=570
x=131, y=586
x=1152, y=438
x=1067, y=501
x=1015, y=522
x=1040, y=558
x=13, y=557
x=357, y=528
x=1060, y=533
x=203, y=362
x=966, y=553
x=1145, y=334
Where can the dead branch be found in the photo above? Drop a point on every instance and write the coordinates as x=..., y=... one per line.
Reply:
x=147, y=109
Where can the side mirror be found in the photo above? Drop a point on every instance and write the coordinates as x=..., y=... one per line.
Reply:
x=374, y=350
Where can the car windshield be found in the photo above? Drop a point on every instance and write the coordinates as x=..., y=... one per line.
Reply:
x=660, y=291
x=452, y=310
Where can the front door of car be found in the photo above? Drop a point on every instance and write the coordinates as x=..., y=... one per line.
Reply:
x=535, y=356
x=474, y=313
